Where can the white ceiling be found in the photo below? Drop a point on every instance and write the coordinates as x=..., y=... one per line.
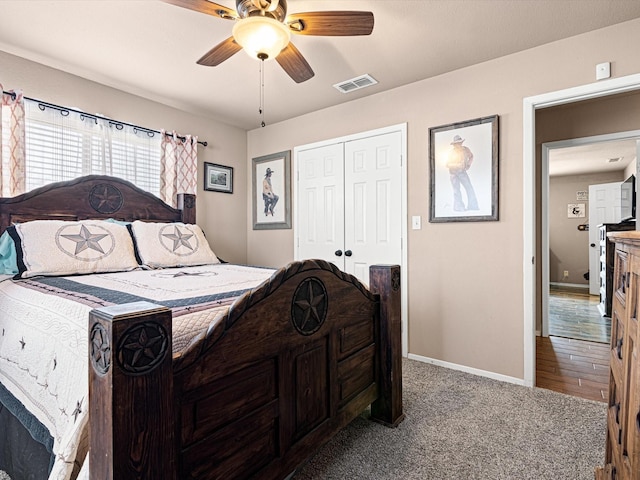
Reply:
x=150, y=48
x=598, y=157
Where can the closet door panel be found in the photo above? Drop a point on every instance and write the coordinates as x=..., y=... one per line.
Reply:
x=320, y=211
x=373, y=196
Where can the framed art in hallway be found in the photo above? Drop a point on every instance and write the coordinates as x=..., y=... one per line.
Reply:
x=271, y=191
x=463, y=171
x=218, y=178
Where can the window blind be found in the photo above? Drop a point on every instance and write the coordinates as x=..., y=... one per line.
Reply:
x=63, y=145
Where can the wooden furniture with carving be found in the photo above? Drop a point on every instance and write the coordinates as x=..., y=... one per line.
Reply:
x=607, y=258
x=289, y=364
x=622, y=457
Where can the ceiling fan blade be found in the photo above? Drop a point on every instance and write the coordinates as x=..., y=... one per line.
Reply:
x=204, y=6
x=331, y=23
x=220, y=53
x=292, y=61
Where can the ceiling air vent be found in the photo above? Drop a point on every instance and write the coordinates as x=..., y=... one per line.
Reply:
x=356, y=83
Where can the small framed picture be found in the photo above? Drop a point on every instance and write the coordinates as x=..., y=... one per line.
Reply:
x=218, y=178
x=576, y=210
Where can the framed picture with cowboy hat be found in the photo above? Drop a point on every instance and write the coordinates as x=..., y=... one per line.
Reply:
x=271, y=189
x=463, y=171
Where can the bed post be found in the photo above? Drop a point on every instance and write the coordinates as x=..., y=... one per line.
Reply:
x=187, y=203
x=384, y=281
x=131, y=427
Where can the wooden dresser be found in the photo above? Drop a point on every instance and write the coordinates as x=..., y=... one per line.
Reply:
x=607, y=249
x=622, y=457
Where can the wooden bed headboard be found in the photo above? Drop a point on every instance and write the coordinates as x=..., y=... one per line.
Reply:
x=93, y=197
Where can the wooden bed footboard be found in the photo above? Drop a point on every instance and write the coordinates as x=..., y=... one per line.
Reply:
x=291, y=363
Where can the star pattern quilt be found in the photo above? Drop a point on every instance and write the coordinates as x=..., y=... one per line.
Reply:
x=43, y=335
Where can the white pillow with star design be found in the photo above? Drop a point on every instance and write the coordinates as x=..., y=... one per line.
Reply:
x=57, y=247
x=161, y=245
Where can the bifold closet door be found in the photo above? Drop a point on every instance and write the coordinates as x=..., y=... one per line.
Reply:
x=349, y=203
x=320, y=204
x=373, y=203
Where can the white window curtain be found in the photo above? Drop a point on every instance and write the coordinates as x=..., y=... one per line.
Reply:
x=178, y=166
x=12, y=143
x=65, y=144
x=42, y=143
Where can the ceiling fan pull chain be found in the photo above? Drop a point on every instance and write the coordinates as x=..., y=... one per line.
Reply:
x=261, y=110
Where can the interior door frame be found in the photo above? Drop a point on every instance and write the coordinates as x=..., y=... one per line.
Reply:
x=402, y=128
x=544, y=205
x=529, y=107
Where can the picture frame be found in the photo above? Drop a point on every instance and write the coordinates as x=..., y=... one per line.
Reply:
x=271, y=174
x=218, y=178
x=463, y=171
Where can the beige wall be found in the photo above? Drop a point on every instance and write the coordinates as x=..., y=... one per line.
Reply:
x=465, y=279
x=568, y=246
x=222, y=216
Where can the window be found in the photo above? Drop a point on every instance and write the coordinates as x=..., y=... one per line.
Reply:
x=63, y=144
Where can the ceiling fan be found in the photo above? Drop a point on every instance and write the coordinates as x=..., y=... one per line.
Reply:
x=264, y=29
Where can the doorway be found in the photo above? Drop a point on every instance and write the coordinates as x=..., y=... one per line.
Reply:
x=531, y=232
x=584, y=173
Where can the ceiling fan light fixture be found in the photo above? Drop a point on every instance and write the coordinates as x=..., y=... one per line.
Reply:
x=261, y=37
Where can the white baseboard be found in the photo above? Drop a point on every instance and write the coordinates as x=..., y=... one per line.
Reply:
x=463, y=368
x=572, y=285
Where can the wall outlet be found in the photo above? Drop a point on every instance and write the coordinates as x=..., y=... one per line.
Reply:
x=565, y=274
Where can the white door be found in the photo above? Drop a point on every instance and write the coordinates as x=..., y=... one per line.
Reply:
x=604, y=207
x=320, y=205
x=349, y=203
x=373, y=203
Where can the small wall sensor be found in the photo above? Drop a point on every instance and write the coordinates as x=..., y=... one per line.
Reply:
x=603, y=70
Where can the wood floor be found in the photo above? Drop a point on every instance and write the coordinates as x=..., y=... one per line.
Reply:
x=574, y=359
x=574, y=313
x=574, y=367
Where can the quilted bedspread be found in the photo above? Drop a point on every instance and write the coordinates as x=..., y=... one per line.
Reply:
x=43, y=335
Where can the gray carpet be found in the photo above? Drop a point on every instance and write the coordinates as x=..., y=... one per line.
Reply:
x=461, y=426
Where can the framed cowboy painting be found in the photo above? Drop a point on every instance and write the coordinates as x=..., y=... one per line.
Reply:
x=463, y=171
x=271, y=191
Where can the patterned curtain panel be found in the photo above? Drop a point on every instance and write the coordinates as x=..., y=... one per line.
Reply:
x=12, y=142
x=178, y=166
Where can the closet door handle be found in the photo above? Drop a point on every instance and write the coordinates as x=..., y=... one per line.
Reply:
x=348, y=253
x=338, y=253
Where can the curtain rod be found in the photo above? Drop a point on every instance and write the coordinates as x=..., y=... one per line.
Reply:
x=118, y=124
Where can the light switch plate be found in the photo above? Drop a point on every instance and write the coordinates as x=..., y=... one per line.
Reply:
x=416, y=222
